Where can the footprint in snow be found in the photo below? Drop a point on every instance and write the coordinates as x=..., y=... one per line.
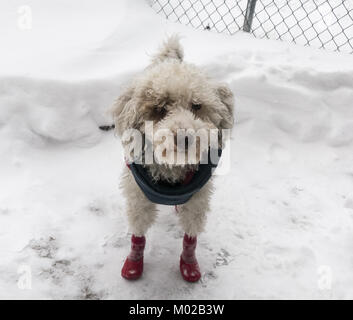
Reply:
x=44, y=247
x=59, y=271
x=223, y=258
x=207, y=276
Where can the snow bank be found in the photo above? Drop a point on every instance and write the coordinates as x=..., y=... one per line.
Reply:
x=281, y=220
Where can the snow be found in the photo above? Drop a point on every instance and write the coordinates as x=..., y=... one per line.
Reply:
x=281, y=220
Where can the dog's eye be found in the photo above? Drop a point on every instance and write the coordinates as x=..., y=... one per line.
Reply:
x=196, y=106
x=159, y=112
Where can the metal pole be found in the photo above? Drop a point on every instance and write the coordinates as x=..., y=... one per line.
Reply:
x=249, y=14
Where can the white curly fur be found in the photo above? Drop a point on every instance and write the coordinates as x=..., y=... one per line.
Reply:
x=172, y=85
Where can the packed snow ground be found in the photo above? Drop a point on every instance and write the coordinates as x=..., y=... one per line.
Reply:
x=281, y=222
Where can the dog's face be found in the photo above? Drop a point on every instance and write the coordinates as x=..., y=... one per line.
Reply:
x=174, y=95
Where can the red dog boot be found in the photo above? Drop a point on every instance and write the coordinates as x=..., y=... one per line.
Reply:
x=133, y=266
x=189, y=266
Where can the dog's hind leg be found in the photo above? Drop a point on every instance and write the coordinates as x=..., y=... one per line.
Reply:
x=193, y=219
x=141, y=214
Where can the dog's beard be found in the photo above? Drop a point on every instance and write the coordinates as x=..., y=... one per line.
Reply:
x=172, y=163
x=181, y=139
x=171, y=153
x=174, y=146
x=170, y=174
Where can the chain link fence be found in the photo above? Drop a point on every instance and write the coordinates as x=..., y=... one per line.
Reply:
x=324, y=24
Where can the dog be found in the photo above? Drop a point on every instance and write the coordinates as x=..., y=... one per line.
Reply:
x=172, y=95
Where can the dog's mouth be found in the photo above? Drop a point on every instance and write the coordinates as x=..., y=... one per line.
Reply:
x=176, y=149
x=168, y=181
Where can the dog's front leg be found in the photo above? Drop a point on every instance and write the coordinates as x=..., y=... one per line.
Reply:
x=141, y=214
x=193, y=220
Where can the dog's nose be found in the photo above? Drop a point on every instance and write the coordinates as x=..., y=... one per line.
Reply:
x=186, y=142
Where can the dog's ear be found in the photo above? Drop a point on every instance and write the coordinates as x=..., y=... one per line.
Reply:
x=170, y=49
x=123, y=111
x=227, y=98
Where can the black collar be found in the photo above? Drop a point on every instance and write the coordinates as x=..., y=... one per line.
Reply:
x=172, y=194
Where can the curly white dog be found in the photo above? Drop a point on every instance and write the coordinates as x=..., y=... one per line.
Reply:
x=172, y=95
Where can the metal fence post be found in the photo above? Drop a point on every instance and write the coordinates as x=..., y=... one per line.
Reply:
x=249, y=14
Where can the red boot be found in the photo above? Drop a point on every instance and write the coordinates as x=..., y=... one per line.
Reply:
x=133, y=266
x=189, y=266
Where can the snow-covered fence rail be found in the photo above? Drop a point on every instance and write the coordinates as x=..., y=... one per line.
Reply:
x=321, y=23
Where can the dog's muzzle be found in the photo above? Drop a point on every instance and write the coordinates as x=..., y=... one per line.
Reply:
x=173, y=194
